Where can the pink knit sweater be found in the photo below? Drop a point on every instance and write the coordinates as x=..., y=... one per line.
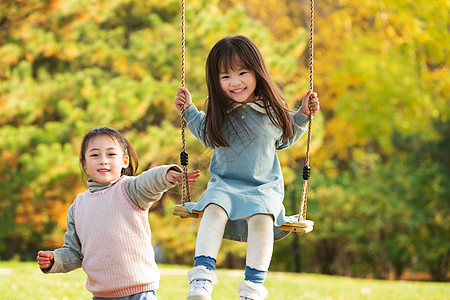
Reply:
x=115, y=238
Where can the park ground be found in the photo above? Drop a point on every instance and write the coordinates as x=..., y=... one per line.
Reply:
x=24, y=280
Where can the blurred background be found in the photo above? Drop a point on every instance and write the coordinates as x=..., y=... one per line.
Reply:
x=379, y=189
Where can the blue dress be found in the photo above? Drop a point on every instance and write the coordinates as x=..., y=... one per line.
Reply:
x=246, y=178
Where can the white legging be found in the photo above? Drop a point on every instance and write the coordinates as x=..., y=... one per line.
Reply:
x=259, y=241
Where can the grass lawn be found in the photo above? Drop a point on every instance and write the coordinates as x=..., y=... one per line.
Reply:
x=25, y=281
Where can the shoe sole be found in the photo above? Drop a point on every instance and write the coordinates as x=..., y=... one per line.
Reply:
x=199, y=297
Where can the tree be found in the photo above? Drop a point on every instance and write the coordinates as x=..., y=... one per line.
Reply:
x=379, y=163
x=69, y=67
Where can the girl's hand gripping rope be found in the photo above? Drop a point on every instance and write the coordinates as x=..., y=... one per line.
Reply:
x=310, y=103
x=183, y=98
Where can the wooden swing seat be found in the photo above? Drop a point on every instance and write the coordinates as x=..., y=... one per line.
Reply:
x=182, y=211
x=298, y=227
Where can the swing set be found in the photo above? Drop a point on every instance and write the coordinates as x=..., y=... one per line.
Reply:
x=301, y=225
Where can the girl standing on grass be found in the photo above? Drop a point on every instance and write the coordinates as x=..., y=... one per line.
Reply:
x=246, y=121
x=108, y=233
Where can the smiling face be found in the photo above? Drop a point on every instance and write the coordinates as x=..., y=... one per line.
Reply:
x=104, y=159
x=238, y=84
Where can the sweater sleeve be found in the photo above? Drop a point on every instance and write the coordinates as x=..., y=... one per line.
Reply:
x=149, y=186
x=68, y=257
x=300, y=125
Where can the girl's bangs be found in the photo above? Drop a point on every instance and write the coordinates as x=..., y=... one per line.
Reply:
x=230, y=60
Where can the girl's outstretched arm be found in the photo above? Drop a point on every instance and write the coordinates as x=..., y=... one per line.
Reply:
x=150, y=185
x=182, y=99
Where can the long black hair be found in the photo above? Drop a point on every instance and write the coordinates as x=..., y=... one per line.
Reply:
x=233, y=52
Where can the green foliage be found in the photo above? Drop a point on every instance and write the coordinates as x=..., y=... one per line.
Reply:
x=69, y=66
x=383, y=183
x=379, y=186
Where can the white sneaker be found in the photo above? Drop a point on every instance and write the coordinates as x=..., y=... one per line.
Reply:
x=251, y=291
x=201, y=282
x=200, y=290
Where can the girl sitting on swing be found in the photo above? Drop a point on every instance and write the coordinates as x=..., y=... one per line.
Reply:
x=246, y=121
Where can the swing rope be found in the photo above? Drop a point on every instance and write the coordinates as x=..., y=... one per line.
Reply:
x=183, y=155
x=307, y=168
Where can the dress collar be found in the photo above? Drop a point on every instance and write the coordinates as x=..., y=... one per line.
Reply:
x=257, y=105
